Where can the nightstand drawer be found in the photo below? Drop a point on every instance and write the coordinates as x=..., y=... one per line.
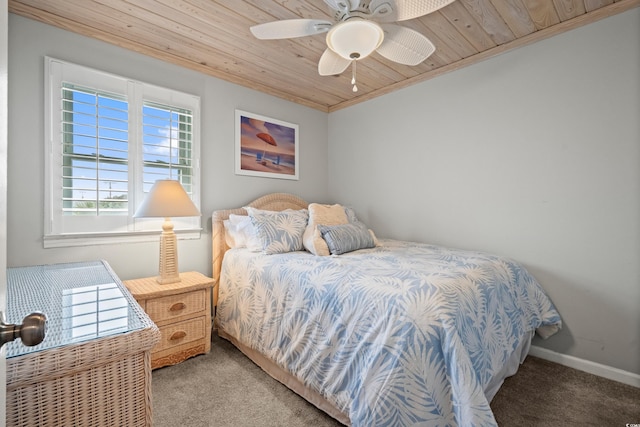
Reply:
x=173, y=306
x=181, y=333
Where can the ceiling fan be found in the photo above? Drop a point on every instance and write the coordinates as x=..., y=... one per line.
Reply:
x=360, y=28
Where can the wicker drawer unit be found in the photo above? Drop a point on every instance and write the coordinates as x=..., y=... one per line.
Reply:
x=94, y=366
x=181, y=310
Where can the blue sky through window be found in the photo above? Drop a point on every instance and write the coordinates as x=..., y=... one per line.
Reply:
x=96, y=139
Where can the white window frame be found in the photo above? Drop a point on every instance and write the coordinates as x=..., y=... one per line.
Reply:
x=110, y=229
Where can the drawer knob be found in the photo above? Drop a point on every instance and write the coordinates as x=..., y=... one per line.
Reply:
x=177, y=335
x=178, y=306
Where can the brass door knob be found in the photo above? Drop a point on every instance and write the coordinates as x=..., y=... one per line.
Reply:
x=31, y=331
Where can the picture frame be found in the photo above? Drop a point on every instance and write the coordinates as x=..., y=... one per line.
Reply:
x=266, y=147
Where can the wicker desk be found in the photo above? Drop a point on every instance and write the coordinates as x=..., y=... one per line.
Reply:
x=94, y=366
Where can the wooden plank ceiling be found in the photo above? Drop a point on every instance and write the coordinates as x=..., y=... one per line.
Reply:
x=213, y=37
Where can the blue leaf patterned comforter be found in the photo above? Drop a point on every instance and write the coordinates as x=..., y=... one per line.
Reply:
x=398, y=335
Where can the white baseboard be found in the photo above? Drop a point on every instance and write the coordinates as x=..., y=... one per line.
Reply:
x=587, y=366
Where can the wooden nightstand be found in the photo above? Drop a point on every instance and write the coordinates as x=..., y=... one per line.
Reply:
x=182, y=312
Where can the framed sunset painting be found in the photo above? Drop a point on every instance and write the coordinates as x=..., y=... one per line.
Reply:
x=266, y=147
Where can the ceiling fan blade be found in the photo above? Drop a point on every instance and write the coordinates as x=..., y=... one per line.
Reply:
x=331, y=63
x=404, y=45
x=339, y=5
x=409, y=9
x=290, y=28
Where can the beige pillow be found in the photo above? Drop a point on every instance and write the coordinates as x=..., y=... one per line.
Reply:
x=321, y=215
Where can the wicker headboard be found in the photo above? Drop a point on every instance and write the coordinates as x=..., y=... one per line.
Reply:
x=271, y=202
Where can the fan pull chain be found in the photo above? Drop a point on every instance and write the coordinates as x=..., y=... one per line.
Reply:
x=353, y=76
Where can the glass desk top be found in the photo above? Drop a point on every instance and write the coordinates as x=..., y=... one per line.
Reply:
x=82, y=301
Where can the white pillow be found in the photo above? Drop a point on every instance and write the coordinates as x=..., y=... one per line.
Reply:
x=228, y=238
x=240, y=233
x=321, y=215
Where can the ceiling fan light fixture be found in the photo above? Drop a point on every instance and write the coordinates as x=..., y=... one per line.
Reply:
x=355, y=39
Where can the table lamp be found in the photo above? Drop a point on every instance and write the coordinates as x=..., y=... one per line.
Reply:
x=167, y=199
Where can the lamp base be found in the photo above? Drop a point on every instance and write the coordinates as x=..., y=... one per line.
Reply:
x=167, y=280
x=168, y=255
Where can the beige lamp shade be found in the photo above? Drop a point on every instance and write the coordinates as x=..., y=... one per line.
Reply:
x=167, y=199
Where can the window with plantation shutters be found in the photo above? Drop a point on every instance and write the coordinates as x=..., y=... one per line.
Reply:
x=108, y=140
x=167, y=135
x=95, y=152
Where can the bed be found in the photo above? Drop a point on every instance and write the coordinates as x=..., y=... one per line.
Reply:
x=395, y=334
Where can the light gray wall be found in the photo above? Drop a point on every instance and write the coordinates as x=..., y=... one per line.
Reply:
x=534, y=154
x=30, y=41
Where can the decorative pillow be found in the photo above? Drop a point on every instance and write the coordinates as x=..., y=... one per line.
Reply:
x=314, y=243
x=346, y=237
x=351, y=216
x=240, y=233
x=279, y=232
x=321, y=215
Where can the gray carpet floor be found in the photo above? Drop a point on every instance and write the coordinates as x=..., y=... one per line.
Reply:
x=225, y=389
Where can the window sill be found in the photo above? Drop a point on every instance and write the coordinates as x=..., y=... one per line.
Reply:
x=89, y=239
